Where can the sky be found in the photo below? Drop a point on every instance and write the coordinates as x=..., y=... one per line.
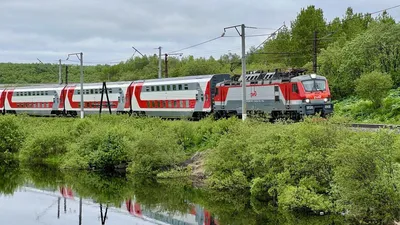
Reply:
x=105, y=31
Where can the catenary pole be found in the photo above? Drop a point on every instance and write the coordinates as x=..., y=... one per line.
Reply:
x=82, y=112
x=80, y=57
x=244, y=103
x=159, y=62
x=59, y=72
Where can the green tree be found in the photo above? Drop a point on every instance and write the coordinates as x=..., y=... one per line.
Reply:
x=303, y=27
x=374, y=86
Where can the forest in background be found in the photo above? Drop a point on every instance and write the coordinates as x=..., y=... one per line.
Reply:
x=348, y=47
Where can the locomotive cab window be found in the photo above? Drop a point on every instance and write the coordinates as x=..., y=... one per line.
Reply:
x=314, y=85
x=295, y=89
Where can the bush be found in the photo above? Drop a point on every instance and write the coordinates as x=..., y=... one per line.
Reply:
x=43, y=145
x=153, y=151
x=11, y=136
x=374, y=86
x=103, y=149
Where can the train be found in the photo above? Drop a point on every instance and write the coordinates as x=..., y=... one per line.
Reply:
x=292, y=94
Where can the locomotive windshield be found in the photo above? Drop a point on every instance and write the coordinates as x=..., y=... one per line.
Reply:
x=314, y=85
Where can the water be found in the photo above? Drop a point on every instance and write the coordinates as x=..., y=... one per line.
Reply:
x=43, y=196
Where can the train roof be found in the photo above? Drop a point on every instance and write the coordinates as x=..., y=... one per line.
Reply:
x=171, y=79
x=196, y=77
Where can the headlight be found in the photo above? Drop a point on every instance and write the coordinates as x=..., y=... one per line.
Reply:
x=307, y=100
x=325, y=100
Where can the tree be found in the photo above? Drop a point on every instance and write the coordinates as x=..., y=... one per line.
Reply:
x=374, y=86
x=303, y=27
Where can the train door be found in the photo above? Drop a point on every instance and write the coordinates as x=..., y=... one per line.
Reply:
x=56, y=102
x=288, y=94
x=199, y=99
x=121, y=100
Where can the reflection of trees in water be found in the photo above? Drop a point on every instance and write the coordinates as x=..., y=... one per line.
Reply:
x=10, y=176
x=175, y=197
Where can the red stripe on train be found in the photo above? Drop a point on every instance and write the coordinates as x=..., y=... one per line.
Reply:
x=145, y=104
x=2, y=98
x=87, y=104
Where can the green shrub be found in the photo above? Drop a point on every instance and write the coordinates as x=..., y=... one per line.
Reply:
x=366, y=177
x=43, y=145
x=104, y=149
x=153, y=151
x=374, y=86
x=11, y=136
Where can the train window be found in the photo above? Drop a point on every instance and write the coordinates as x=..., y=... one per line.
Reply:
x=158, y=88
x=96, y=91
x=186, y=86
x=163, y=88
x=152, y=88
x=168, y=87
x=174, y=87
x=295, y=88
x=197, y=97
x=29, y=93
x=148, y=104
x=91, y=91
x=16, y=94
x=110, y=91
x=46, y=93
x=175, y=104
x=187, y=104
x=180, y=87
x=170, y=104
x=34, y=93
x=182, y=104
x=147, y=88
x=42, y=105
x=78, y=92
x=202, y=97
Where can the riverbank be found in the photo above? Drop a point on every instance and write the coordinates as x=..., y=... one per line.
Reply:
x=315, y=166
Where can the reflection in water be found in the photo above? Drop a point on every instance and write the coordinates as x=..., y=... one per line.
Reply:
x=92, y=198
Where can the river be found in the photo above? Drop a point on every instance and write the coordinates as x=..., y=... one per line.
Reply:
x=46, y=196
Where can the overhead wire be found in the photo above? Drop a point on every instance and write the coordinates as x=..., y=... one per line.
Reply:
x=195, y=45
x=355, y=17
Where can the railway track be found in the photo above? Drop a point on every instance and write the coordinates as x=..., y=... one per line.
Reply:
x=375, y=126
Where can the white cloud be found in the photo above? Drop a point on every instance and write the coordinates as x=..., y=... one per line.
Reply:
x=106, y=30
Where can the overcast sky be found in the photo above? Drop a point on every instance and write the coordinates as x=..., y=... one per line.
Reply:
x=106, y=30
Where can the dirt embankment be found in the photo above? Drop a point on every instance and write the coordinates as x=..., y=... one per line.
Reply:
x=196, y=165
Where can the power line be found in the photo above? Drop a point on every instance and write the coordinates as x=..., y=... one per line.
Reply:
x=393, y=7
x=356, y=17
x=252, y=35
x=271, y=35
x=192, y=46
